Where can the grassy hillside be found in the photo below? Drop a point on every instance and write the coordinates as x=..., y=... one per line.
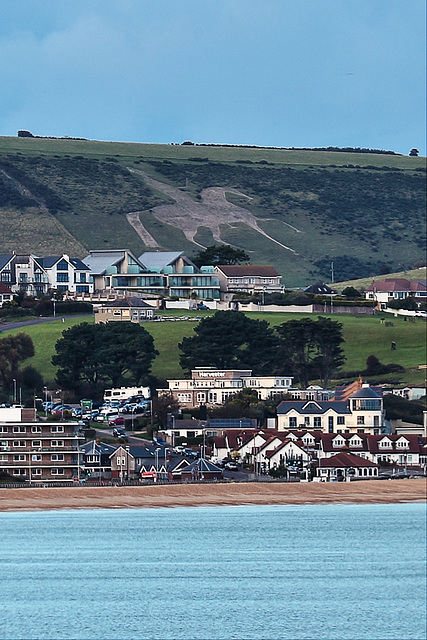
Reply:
x=363, y=283
x=297, y=210
x=363, y=336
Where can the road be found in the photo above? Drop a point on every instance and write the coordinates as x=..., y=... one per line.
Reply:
x=7, y=326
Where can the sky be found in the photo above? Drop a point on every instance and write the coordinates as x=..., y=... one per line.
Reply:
x=281, y=73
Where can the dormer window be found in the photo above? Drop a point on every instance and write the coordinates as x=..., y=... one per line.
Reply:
x=338, y=442
x=402, y=444
x=385, y=444
x=355, y=442
x=62, y=265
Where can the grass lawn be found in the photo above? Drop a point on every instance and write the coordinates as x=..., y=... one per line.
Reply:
x=363, y=336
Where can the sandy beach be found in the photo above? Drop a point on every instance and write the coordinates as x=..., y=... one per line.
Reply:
x=111, y=497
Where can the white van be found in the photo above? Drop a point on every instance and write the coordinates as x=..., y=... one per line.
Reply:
x=124, y=393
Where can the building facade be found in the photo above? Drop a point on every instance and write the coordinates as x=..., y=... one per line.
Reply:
x=214, y=387
x=38, y=451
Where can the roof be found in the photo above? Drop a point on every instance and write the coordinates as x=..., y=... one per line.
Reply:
x=4, y=288
x=49, y=261
x=4, y=259
x=202, y=466
x=124, y=303
x=310, y=407
x=397, y=284
x=236, y=270
x=99, y=260
x=160, y=259
x=344, y=459
x=92, y=447
x=366, y=392
x=319, y=287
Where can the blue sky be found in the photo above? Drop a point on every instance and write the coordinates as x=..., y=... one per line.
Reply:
x=301, y=73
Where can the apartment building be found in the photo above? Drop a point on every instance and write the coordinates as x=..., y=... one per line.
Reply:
x=38, y=451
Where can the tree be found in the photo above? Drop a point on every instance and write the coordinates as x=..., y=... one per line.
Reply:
x=163, y=405
x=311, y=348
x=113, y=353
x=220, y=254
x=230, y=340
x=414, y=152
x=297, y=348
x=351, y=292
x=328, y=338
x=14, y=349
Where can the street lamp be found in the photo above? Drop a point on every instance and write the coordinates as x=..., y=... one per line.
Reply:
x=14, y=391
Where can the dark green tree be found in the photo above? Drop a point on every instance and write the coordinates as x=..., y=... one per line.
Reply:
x=297, y=348
x=14, y=349
x=220, y=254
x=230, y=340
x=330, y=356
x=311, y=349
x=109, y=354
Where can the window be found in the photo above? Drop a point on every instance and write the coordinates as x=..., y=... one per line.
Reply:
x=36, y=472
x=307, y=421
x=317, y=422
x=19, y=443
x=57, y=456
x=4, y=429
x=21, y=456
x=340, y=420
x=57, y=443
x=19, y=472
x=62, y=277
x=18, y=429
x=200, y=397
x=36, y=443
x=57, y=471
x=36, y=429
x=82, y=288
x=36, y=457
x=57, y=429
x=184, y=397
x=62, y=265
x=293, y=422
x=360, y=431
x=360, y=419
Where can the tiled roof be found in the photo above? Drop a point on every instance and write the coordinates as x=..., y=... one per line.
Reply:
x=4, y=259
x=397, y=284
x=240, y=270
x=4, y=289
x=310, y=407
x=344, y=459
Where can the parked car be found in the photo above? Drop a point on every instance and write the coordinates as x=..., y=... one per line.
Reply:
x=119, y=433
x=231, y=466
x=116, y=421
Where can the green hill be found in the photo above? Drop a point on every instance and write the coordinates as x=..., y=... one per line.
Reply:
x=296, y=210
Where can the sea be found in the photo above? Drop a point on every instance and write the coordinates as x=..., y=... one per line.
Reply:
x=333, y=572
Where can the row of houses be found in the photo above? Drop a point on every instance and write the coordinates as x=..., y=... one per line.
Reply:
x=114, y=271
x=56, y=452
x=355, y=408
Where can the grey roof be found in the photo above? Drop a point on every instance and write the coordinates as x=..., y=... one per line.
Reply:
x=93, y=447
x=202, y=466
x=133, y=302
x=366, y=392
x=308, y=407
x=159, y=259
x=4, y=259
x=99, y=261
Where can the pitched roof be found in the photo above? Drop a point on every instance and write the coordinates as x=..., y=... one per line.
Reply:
x=5, y=289
x=236, y=270
x=202, y=466
x=4, y=259
x=344, y=459
x=319, y=288
x=397, y=284
x=160, y=259
x=310, y=407
x=99, y=260
x=125, y=303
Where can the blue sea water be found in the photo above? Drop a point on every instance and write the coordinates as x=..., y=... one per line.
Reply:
x=344, y=572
